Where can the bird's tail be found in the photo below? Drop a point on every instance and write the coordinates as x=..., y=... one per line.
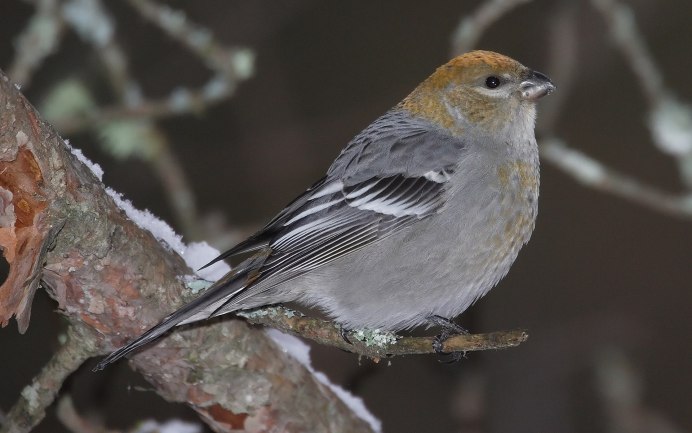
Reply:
x=200, y=308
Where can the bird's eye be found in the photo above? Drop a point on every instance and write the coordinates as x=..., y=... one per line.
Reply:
x=492, y=82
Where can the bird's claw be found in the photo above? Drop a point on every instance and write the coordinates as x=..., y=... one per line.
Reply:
x=449, y=329
x=344, y=334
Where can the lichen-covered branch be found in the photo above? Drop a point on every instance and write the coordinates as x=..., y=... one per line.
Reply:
x=376, y=344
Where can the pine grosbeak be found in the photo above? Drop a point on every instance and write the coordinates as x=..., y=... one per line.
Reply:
x=419, y=216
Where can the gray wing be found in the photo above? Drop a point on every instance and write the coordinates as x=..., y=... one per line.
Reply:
x=391, y=175
x=397, y=143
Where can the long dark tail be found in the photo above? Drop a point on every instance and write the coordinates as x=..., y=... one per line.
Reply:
x=201, y=308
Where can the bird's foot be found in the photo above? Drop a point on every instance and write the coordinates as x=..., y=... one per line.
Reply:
x=344, y=334
x=449, y=329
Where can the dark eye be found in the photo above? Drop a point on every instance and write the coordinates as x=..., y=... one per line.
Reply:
x=492, y=82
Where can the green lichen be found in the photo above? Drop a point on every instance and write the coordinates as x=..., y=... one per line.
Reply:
x=375, y=337
x=269, y=312
x=197, y=286
x=31, y=395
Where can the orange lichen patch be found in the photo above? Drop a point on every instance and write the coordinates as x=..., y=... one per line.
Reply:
x=22, y=234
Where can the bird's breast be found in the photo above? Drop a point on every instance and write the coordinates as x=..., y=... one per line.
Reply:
x=517, y=183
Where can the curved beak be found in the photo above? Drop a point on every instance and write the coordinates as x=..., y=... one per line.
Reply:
x=535, y=86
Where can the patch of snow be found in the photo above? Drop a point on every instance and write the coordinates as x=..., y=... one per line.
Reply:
x=146, y=220
x=198, y=254
x=94, y=167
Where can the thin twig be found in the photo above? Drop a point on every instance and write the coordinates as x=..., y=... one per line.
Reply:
x=378, y=345
x=182, y=101
x=595, y=175
x=234, y=63
x=30, y=409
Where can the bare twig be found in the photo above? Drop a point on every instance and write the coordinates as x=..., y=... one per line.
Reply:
x=378, y=345
x=35, y=398
x=472, y=27
x=181, y=101
x=595, y=175
x=235, y=64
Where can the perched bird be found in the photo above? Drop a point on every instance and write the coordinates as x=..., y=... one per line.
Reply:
x=420, y=215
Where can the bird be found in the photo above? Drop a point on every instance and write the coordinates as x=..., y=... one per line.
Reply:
x=419, y=216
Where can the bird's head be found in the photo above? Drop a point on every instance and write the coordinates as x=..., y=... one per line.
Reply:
x=480, y=90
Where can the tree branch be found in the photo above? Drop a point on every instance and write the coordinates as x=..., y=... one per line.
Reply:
x=377, y=345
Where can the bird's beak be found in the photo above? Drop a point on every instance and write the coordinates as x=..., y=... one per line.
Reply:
x=535, y=86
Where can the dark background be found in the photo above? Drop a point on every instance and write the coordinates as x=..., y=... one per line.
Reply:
x=604, y=286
